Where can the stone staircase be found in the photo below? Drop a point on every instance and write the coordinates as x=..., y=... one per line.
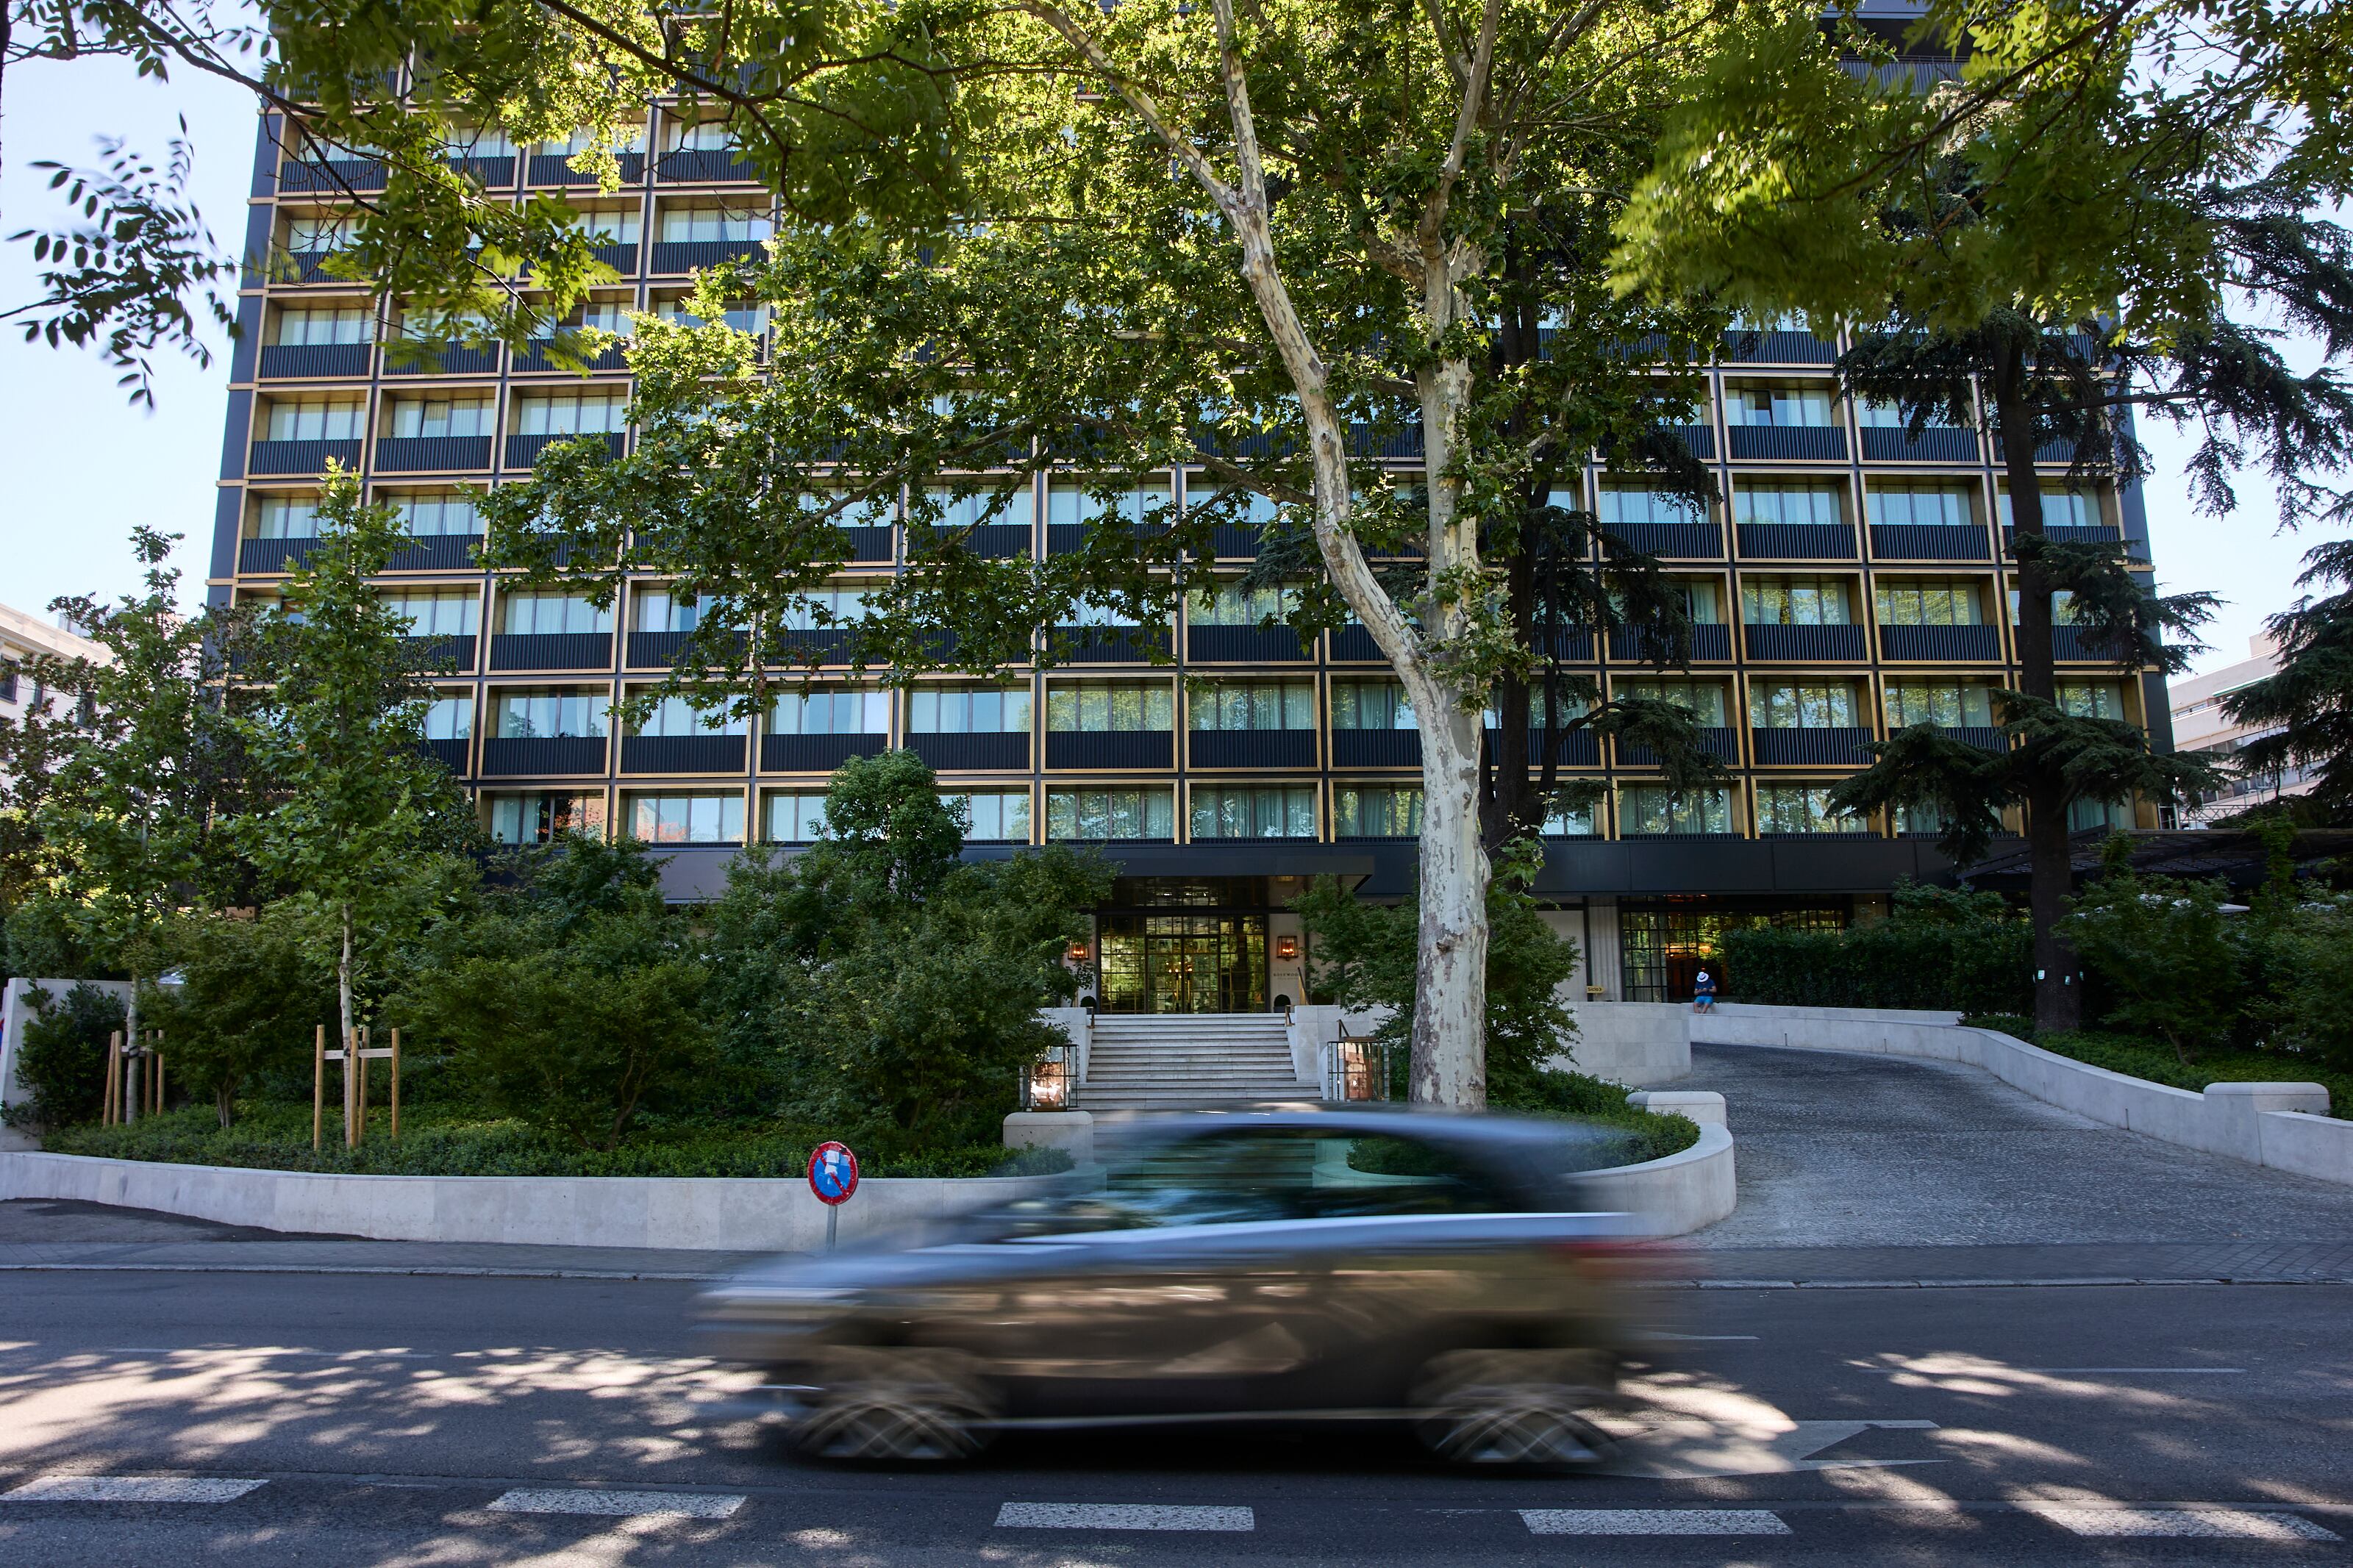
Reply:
x=1188, y=1061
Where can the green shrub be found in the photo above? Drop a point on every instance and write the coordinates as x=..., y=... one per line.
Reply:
x=251, y=996
x=61, y=1060
x=1648, y=1134
x=1940, y=949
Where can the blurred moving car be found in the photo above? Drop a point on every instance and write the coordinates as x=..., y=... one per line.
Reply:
x=1304, y=1266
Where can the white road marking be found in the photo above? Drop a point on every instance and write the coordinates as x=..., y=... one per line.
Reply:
x=1121, y=1516
x=2136, y=1371
x=2202, y=1523
x=617, y=1504
x=130, y=1489
x=1703, y=1339
x=1654, y=1521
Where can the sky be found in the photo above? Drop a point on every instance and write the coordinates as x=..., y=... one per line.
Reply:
x=81, y=468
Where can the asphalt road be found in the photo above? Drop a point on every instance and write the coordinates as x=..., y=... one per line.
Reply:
x=384, y=1417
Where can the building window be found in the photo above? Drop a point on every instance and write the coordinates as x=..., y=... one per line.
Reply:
x=1703, y=700
x=817, y=609
x=968, y=711
x=438, y=613
x=1104, y=705
x=2086, y=815
x=1778, y=406
x=547, y=613
x=1789, y=503
x=411, y=418
x=749, y=316
x=587, y=138
x=660, y=610
x=1232, y=605
x=449, y=718
x=1920, y=506
x=1629, y=502
x=1645, y=810
x=841, y=710
x=1253, y=705
x=1921, y=820
x=1072, y=502
x=1700, y=600
x=791, y=818
x=996, y=815
x=606, y=225
x=479, y=142
x=305, y=326
x=1801, y=705
x=315, y=419
x=1802, y=808
x=1930, y=602
x=2091, y=698
x=697, y=135
x=1370, y=705
x=675, y=717
x=2062, y=508
x=572, y=413
x=571, y=712
x=287, y=517
x=1375, y=811
x=1795, y=602
x=1568, y=821
x=1091, y=813
x=436, y=515
x=1264, y=810
x=705, y=223
x=1948, y=704
x=542, y=815
x=1664, y=947
x=7, y=681
x=687, y=818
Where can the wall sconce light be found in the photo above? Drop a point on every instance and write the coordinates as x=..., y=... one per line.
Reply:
x=1078, y=951
x=1286, y=947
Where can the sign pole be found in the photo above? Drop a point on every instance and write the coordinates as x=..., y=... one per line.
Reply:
x=832, y=1176
x=832, y=1225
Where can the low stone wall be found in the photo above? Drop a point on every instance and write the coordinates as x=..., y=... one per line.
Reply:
x=1639, y=1043
x=2284, y=1125
x=720, y=1214
x=1676, y=1195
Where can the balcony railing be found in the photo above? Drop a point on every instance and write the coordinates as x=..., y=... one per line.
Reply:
x=432, y=454
x=1815, y=748
x=816, y=753
x=556, y=169
x=552, y=650
x=1110, y=749
x=1245, y=645
x=1942, y=645
x=533, y=360
x=1680, y=541
x=1777, y=348
x=522, y=451
x=1110, y=645
x=450, y=359
x=330, y=175
x=1718, y=741
x=990, y=541
x=1937, y=443
x=300, y=456
x=705, y=167
x=255, y=555
x=691, y=255
x=1576, y=748
x=488, y=172
x=450, y=754
x=1252, y=749
x=1928, y=542
x=1805, y=442
x=440, y=655
x=1376, y=747
x=296, y=362
x=2067, y=534
x=1635, y=645
x=438, y=553
x=525, y=756
x=1769, y=641
x=682, y=753
x=1796, y=541
x=985, y=751
x=1355, y=645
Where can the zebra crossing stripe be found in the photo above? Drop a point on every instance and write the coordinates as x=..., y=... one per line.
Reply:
x=1654, y=1521
x=1122, y=1516
x=2194, y=1523
x=130, y=1489
x=617, y=1504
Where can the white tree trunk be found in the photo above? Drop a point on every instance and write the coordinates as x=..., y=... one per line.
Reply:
x=353, y=1065
x=131, y=1042
x=1450, y=997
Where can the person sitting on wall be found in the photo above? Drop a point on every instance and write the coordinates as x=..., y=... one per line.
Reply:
x=1704, y=993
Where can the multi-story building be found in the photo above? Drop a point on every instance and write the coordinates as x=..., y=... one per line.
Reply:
x=1854, y=581
x=23, y=636
x=2199, y=725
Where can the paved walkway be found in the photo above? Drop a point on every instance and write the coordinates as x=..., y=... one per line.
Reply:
x=1842, y=1150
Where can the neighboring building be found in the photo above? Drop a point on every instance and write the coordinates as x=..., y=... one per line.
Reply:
x=1855, y=581
x=23, y=637
x=2199, y=725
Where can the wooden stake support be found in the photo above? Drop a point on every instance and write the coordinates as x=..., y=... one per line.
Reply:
x=318, y=1084
x=111, y=1113
x=354, y=1057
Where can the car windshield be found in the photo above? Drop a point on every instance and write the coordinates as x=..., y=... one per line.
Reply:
x=1268, y=1173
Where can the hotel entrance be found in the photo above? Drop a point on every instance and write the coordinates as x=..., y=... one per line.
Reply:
x=1184, y=946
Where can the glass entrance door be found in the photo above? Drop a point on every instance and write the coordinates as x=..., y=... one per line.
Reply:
x=1183, y=963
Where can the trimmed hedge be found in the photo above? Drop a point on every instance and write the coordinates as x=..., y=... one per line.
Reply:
x=1969, y=967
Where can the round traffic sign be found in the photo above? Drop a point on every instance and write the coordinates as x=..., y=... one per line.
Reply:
x=832, y=1172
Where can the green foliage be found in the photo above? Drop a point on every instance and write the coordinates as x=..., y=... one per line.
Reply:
x=251, y=993
x=1940, y=949
x=61, y=1060
x=1365, y=956
x=2159, y=946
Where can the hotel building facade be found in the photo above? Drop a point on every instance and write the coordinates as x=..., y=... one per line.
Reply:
x=1852, y=583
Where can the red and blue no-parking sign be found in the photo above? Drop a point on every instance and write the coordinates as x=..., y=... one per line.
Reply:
x=832, y=1172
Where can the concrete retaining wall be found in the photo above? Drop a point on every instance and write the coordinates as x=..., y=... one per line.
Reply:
x=721, y=1213
x=1678, y=1194
x=2284, y=1125
x=1639, y=1043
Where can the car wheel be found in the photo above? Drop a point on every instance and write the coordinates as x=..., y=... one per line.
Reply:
x=1512, y=1409
x=898, y=1408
